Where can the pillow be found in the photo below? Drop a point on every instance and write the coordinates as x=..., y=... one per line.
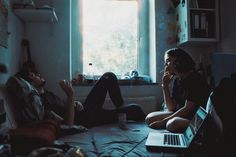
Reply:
x=34, y=135
x=27, y=101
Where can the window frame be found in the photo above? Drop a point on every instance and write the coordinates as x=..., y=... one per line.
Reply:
x=145, y=58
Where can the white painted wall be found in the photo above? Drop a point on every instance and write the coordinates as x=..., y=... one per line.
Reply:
x=11, y=56
x=224, y=64
x=50, y=46
x=228, y=25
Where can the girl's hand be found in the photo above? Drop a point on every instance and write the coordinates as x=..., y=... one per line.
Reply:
x=166, y=77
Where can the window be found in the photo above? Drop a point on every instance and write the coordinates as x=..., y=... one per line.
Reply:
x=113, y=35
x=110, y=36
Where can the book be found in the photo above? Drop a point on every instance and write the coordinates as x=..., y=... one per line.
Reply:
x=203, y=24
x=196, y=21
x=194, y=3
x=203, y=21
x=196, y=27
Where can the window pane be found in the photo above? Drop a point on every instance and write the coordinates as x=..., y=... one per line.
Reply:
x=109, y=36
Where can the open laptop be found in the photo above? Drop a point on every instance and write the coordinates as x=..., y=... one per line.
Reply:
x=175, y=141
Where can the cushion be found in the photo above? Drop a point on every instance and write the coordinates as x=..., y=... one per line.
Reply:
x=33, y=135
x=26, y=99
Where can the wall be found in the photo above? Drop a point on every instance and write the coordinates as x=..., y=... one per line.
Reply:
x=11, y=55
x=50, y=45
x=165, y=32
x=228, y=24
x=224, y=58
x=223, y=65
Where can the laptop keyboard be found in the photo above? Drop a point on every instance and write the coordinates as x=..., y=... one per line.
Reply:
x=171, y=139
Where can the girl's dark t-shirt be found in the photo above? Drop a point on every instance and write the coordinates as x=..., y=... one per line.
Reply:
x=193, y=88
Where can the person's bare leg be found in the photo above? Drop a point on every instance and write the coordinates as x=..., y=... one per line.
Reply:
x=177, y=124
x=157, y=116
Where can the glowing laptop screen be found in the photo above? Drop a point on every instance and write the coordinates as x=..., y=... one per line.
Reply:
x=194, y=125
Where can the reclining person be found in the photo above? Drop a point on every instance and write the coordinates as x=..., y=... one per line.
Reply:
x=91, y=112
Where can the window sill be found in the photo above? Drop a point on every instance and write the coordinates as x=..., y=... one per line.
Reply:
x=135, y=82
x=123, y=82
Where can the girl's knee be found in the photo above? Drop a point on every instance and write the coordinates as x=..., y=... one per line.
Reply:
x=156, y=116
x=152, y=117
x=176, y=124
x=148, y=119
x=109, y=75
x=171, y=125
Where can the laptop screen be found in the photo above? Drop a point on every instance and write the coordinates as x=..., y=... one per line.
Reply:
x=195, y=125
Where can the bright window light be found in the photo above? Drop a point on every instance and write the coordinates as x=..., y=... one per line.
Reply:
x=109, y=36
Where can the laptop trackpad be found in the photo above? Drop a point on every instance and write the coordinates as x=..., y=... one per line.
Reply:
x=154, y=138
